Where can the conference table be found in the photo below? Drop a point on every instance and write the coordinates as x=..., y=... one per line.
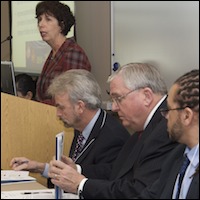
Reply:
x=30, y=186
x=33, y=185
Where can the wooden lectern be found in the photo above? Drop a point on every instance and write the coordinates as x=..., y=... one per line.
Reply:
x=28, y=129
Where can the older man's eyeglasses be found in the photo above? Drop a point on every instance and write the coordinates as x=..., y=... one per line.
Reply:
x=118, y=99
x=164, y=111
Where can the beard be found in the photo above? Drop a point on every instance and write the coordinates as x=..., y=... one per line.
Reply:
x=65, y=123
x=68, y=124
x=176, y=131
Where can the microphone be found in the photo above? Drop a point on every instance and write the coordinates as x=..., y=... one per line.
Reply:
x=8, y=38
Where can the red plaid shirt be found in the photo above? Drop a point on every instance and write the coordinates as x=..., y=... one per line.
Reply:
x=69, y=56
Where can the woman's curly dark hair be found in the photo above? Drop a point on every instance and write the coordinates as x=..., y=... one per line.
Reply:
x=188, y=92
x=58, y=10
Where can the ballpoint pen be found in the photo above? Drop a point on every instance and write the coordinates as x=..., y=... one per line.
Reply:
x=38, y=192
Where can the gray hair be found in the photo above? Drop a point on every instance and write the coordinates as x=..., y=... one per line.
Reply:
x=79, y=84
x=141, y=75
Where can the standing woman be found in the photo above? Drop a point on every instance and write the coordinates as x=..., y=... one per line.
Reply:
x=55, y=20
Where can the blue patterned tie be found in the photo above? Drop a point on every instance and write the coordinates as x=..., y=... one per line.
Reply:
x=182, y=171
x=79, y=146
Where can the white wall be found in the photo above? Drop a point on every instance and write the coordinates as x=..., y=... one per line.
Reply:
x=163, y=33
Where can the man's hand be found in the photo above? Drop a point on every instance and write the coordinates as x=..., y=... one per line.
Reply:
x=22, y=163
x=69, y=161
x=64, y=176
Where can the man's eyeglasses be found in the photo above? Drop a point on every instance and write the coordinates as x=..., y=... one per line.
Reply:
x=164, y=111
x=118, y=99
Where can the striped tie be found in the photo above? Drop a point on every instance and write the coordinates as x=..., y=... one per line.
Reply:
x=79, y=146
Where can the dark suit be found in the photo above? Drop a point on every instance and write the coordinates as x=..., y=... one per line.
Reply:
x=163, y=187
x=102, y=146
x=138, y=164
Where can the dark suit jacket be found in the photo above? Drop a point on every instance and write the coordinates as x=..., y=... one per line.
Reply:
x=163, y=187
x=138, y=164
x=102, y=147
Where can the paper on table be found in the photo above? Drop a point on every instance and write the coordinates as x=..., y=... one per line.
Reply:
x=9, y=176
x=34, y=194
x=28, y=194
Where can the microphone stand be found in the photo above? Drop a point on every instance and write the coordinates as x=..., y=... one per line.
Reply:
x=8, y=38
x=3, y=41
